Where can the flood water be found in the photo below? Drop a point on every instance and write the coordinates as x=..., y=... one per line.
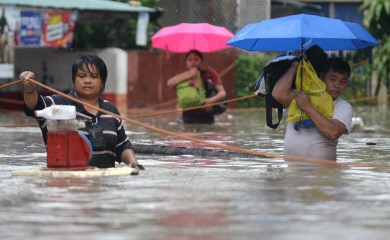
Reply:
x=191, y=197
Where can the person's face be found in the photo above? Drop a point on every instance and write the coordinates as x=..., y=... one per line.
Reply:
x=88, y=84
x=193, y=61
x=335, y=83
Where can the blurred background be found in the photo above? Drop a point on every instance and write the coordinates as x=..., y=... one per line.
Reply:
x=45, y=36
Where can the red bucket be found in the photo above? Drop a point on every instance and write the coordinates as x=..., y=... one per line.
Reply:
x=67, y=149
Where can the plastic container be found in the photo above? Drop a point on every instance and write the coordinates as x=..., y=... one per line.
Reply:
x=68, y=150
x=64, y=125
x=57, y=112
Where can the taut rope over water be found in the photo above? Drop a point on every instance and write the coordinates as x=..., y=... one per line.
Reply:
x=191, y=108
x=219, y=146
x=9, y=84
x=155, y=129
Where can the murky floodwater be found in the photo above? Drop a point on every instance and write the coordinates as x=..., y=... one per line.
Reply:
x=189, y=197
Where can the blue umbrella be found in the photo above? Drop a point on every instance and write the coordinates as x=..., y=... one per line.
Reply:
x=299, y=32
x=364, y=38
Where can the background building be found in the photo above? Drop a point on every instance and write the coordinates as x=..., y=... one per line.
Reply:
x=347, y=10
x=232, y=14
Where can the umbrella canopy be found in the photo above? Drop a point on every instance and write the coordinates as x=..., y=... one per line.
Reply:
x=295, y=32
x=183, y=37
x=364, y=38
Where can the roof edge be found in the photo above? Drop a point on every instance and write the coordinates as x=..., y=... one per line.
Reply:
x=82, y=5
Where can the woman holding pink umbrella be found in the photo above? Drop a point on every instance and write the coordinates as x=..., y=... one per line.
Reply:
x=191, y=86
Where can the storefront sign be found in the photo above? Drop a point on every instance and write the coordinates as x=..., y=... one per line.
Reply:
x=58, y=29
x=31, y=28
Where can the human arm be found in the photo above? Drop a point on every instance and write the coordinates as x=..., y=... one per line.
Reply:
x=128, y=157
x=282, y=91
x=220, y=90
x=30, y=94
x=124, y=150
x=221, y=93
x=329, y=127
x=173, y=81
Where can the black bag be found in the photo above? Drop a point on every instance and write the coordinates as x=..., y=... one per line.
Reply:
x=266, y=82
x=96, y=137
x=211, y=91
x=274, y=70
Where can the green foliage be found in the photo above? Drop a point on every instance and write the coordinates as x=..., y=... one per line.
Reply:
x=377, y=14
x=377, y=17
x=113, y=32
x=248, y=69
x=145, y=3
x=360, y=74
x=357, y=82
x=382, y=63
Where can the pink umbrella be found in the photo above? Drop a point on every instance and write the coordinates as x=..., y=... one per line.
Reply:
x=183, y=37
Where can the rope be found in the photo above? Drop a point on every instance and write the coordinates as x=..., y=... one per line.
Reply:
x=12, y=101
x=367, y=59
x=155, y=129
x=8, y=110
x=363, y=99
x=219, y=146
x=239, y=110
x=191, y=108
x=214, y=145
x=228, y=68
x=169, y=103
x=20, y=125
x=359, y=63
x=9, y=84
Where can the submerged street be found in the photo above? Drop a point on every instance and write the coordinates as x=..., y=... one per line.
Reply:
x=191, y=197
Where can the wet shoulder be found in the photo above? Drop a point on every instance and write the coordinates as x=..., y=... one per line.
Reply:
x=109, y=106
x=340, y=103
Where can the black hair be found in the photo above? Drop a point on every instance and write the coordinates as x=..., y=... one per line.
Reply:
x=84, y=63
x=339, y=65
x=196, y=52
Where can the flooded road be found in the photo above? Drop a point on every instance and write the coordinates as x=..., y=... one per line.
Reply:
x=191, y=197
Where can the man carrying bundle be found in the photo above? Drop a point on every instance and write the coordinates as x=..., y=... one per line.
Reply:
x=318, y=140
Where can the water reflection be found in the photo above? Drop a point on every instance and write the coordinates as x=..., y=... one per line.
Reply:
x=191, y=197
x=192, y=224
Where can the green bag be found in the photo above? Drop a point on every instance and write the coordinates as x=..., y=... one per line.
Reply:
x=190, y=93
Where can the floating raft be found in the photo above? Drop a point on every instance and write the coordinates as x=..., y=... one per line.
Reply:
x=92, y=172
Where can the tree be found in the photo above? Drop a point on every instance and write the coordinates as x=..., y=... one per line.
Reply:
x=377, y=19
x=113, y=32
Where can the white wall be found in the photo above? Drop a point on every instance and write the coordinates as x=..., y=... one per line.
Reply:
x=116, y=61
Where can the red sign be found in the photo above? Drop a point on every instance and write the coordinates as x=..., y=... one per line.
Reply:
x=58, y=29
